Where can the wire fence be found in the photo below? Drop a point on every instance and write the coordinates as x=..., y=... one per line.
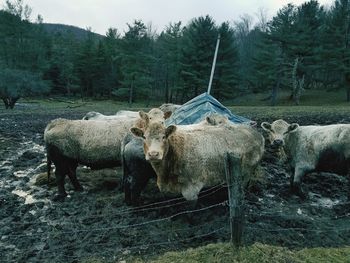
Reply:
x=75, y=237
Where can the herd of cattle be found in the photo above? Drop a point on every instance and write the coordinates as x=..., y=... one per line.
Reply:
x=186, y=158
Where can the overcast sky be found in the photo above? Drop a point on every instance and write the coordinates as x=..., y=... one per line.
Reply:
x=102, y=14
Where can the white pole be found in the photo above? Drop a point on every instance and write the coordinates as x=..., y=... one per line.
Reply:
x=213, y=65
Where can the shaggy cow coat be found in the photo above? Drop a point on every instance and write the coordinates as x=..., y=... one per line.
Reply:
x=186, y=160
x=92, y=143
x=137, y=170
x=311, y=148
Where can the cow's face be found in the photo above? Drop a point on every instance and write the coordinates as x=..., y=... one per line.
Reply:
x=278, y=130
x=216, y=119
x=155, y=140
x=153, y=116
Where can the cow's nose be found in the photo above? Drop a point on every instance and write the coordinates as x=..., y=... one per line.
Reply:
x=153, y=154
x=277, y=142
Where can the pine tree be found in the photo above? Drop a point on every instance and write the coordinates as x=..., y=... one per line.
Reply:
x=197, y=49
x=136, y=59
x=335, y=51
x=169, y=55
x=225, y=83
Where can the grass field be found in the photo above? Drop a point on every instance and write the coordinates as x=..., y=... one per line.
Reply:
x=312, y=103
x=257, y=253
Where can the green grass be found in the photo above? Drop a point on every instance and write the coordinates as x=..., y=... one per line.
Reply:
x=259, y=253
x=283, y=112
x=309, y=98
x=252, y=105
x=256, y=253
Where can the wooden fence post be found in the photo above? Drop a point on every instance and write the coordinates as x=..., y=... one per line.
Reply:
x=235, y=196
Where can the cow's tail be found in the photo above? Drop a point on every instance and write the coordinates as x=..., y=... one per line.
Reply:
x=48, y=167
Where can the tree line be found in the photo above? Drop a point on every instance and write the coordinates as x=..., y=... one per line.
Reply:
x=301, y=47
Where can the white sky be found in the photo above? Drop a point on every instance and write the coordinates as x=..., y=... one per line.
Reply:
x=102, y=14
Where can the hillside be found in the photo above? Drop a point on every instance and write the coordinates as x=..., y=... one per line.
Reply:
x=79, y=33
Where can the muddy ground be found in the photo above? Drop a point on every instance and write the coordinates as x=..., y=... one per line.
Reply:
x=96, y=223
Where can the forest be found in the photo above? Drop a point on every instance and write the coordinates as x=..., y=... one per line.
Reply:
x=301, y=47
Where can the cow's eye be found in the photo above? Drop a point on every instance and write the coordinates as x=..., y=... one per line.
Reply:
x=163, y=137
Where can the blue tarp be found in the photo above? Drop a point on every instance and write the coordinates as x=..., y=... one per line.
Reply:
x=198, y=108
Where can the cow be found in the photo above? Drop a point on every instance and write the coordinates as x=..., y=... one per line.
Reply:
x=93, y=115
x=311, y=148
x=137, y=171
x=94, y=143
x=187, y=160
x=169, y=107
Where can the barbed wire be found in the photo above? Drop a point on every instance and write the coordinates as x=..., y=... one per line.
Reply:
x=210, y=191
x=325, y=230
x=205, y=193
x=134, y=225
x=301, y=205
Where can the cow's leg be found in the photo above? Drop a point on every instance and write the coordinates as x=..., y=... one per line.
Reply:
x=348, y=186
x=190, y=193
x=296, y=187
x=72, y=173
x=60, y=176
x=348, y=176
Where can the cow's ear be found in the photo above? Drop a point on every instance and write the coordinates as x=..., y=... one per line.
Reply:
x=266, y=126
x=144, y=116
x=167, y=114
x=137, y=132
x=209, y=120
x=292, y=127
x=170, y=130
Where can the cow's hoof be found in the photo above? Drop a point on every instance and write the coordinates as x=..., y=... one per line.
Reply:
x=130, y=202
x=79, y=189
x=297, y=190
x=59, y=198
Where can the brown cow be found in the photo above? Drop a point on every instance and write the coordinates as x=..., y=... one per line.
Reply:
x=186, y=160
x=311, y=148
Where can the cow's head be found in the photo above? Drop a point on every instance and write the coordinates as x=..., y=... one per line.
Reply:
x=154, y=115
x=155, y=140
x=278, y=130
x=216, y=119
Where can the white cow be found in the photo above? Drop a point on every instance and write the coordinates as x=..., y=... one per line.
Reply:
x=311, y=148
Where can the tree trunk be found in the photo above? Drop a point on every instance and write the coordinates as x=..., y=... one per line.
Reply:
x=13, y=101
x=10, y=102
x=167, y=87
x=6, y=102
x=347, y=86
x=298, y=82
x=274, y=93
x=131, y=91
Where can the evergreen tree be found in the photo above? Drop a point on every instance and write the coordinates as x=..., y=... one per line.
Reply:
x=15, y=83
x=169, y=60
x=335, y=51
x=136, y=59
x=86, y=65
x=197, y=50
x=225, y=83
x=112, y=74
